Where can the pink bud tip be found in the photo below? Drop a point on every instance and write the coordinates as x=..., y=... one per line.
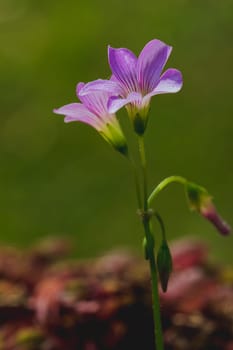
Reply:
x=210, y=213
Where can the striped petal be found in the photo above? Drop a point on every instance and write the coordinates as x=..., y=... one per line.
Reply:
x=170, y=82
x=78, y=112
x=151, y=62
x=110, y=86
x=123, y=65
x=115, y=103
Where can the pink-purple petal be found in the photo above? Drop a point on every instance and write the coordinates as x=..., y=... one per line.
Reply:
x=95, y=100
x=170, y=82
x=79, y=87
x=71, y=109
x=123, y=65
x=151, y=62
x=110, y=86
x=115, y=103
x=78, y=112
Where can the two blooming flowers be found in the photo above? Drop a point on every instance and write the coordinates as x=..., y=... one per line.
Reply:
x=132, y=84
x=134, y=81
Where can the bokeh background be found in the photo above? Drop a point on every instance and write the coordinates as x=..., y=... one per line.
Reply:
x=64, y=179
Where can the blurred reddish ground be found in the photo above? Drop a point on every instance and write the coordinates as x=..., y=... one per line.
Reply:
x=48, y=302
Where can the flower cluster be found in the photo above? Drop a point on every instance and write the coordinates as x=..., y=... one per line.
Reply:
x=132, y=84
x=134, y=81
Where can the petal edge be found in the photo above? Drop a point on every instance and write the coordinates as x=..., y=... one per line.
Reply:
x=151, y=62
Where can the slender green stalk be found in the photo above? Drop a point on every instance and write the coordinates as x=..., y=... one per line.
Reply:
x=150, y=253
x=163, y=184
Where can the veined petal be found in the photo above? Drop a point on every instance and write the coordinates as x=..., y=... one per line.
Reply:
x=95, y=101
x=79, y=87
x=107, y=125
x=123, y=65
x=110, y=86
x=115, y=103
x=151, y=61
x=78, y=112
x=71, y=109
x=170, y=82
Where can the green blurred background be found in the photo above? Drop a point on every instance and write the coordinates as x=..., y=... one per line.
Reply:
x=64, y=179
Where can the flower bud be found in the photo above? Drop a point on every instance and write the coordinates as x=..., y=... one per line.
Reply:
x=201, y=201
x=164, y=263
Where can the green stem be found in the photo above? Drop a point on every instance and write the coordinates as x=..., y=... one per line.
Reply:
x=154, y=283
x=150, y=253
x=163, y=184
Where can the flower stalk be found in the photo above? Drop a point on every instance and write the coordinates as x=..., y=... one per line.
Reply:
x=149, y=251
x=164, y=183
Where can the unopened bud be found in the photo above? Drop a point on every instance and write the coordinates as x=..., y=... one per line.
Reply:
x=201, y=201
x=164, y=263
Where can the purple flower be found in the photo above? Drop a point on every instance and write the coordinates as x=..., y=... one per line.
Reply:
x=94, y=112
x=200, y=200
x=136, y=80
